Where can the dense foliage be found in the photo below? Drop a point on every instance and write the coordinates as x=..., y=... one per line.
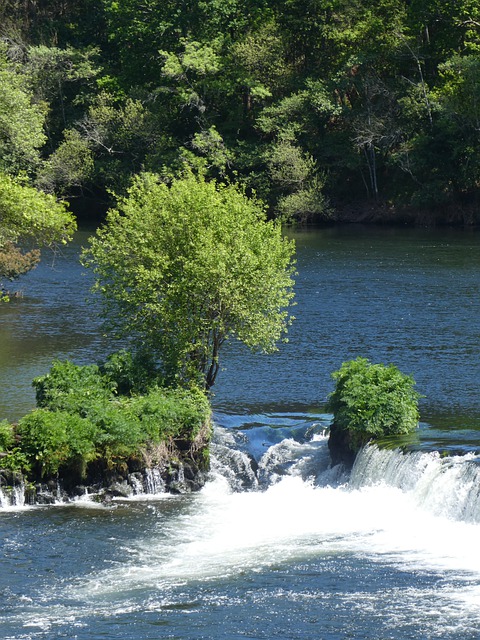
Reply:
x=29, y=219
x=183, y=267
x=371, y=401
x=81, y=417
x=324, y=107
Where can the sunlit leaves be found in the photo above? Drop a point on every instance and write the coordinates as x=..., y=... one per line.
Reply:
x=183, y=268
x=21, y=121
x=27, y=214
x=32, y=218
x=373, y=400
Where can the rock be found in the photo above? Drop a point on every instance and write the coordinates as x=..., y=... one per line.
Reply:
x=183, y=472
x=79, y=490
x=43, y=497
x=120, y=490
x=342, y=450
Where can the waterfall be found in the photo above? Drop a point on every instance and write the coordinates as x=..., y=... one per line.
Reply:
x=259, y=457
x=4, y=501
x=12, y=496
x=148, y=483
x=230, y=462
x=307, y=458
x=444, y=486
x=136, y=482
x=153, y=481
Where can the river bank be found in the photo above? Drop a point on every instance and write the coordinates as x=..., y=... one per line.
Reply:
x=384, y=213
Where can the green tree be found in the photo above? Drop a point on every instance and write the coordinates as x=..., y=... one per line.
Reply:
x=459, y=123
x=21, y=120
x=69, y=167
x=370, y=401
x=29, y=219
x=184, y=267
x=114, y=140
x=65, y=79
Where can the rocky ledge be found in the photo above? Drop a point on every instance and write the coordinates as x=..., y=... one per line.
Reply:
x=178, y=467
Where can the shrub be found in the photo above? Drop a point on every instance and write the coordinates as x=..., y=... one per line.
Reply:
x=81, y=418
x=172, y=413
x=119, y=429
x=130, y=373
x=70, y=387
x=44, y=440
x=7, y=438
x=371, y=401
x=16, y=460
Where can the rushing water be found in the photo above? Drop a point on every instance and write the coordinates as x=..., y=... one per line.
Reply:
x=278, y=544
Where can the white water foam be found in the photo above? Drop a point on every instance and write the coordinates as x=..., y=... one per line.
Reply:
x=448, y=486
x=293, y=519
x=14, y=499
x=381, y=517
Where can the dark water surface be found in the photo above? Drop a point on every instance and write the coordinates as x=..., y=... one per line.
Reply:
x=297, y=550
x=407, y=296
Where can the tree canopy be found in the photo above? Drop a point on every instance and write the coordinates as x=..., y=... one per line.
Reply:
x=325, y=108
x=29, y=220
x=184, y=267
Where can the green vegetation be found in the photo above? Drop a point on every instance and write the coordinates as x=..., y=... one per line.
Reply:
x=327, y=109
x=370, y=401
x=83, y=422
x=29, y=219
x=184, y=267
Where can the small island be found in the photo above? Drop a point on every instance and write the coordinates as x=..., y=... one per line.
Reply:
x=181, y=267
x=107, y=430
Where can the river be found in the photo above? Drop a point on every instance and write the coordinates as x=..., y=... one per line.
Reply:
x=297, y=549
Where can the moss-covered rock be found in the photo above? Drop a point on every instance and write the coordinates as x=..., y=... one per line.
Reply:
x=370, y=401
x=84, y=433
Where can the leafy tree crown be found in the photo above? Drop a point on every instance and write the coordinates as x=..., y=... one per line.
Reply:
x=182, y=268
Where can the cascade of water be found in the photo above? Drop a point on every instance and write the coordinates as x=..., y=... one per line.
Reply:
x=13, y=496
x=181, y=474
x=309, y=460
x=153, y=481
x=19, y=495
x=233, y=465
x=445, y=486
x=137, y=483
x=306, y=459
x=229, y=462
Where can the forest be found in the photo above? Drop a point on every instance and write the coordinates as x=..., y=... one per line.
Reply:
x=326, y=110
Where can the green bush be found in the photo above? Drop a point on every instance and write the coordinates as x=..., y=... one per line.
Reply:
x=119, y=429
x=44, y=440
x=373, y=400
x=172, y=413
x=7, y=438
x=52, y=439
x=73, y=388
x=16, y=460
x=130, y=373
x=12, y=458
x=81, y=417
